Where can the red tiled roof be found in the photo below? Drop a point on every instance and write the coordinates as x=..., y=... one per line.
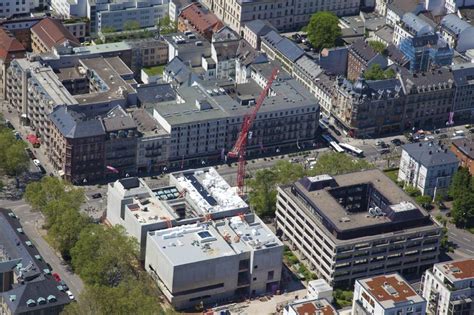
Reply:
x=200, y=18
x=377, y=287
x=9, y=44
x=463, y=269
x=51, y=32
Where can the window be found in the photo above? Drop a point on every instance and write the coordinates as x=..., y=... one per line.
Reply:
x=270, y=275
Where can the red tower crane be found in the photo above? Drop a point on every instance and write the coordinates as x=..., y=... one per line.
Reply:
x=240, y=145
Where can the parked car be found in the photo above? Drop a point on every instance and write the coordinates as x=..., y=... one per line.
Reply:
x=36, y=162
x=70, y=295
x=458, y=133
x=56, y=277
x=379, y=143
x=64, y=285
x=471, y=130
x=30, y=153
x=443, y=136
x=97, y=196
x=397, y=142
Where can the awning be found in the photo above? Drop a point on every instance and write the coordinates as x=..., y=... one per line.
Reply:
x=33, y=139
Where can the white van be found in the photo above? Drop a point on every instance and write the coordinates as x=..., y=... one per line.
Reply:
x=458, y=133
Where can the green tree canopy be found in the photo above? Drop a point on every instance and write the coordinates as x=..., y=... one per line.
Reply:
x=375, y=72
x=52, y=189
x=166, y=25
x=262, y=195
x=131, y=25
x=461, y=183
x=104, y=256
x=323, y=30
x=338, y=163
x=463, y=210
x=13, y=158
x=377, y=46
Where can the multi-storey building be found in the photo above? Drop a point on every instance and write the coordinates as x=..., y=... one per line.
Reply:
x=11, y=7
x=361, y=57
x=69, y=8
x=26, y=283
x=428, y=167
x=10, y=48
x=310, y=306
x=369, y=108
x=281, y=49
x=448, y=288
x=208, y=262
x=254, y=30
x=114, y=14
x=197, y=18
x=282, y=14
x=48, y=33
x=356, y=225
x=422, y=47
x=147, y=53
x=463, y=104
x=452, y=6
x=190, y=47
x=386, y=295
x=464, y=151
x=225, y=43
x=458, y=33
x=78, y=28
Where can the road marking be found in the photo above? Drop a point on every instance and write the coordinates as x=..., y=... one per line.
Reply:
x=466, y=239
x=452, y=234
x=469, y=250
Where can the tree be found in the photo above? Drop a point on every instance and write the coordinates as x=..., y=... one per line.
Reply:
x=375, y=72
x=104, y=256
x=262, y=195
x=13, y=157
x=463, y=210
x=52, y=189
x=107, y=29
x=323, y=30
x=131, y=25
x=412, y=191
x=287, y=172
x=377, y=46
x=425, y=201
x=337, y=163
x=166, y=25
x=461, y=183
x=129, y=297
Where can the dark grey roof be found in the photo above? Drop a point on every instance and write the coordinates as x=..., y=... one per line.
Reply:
x=180, y=71
x=395, y=55
x=259, y=27
x=118, y=119
x=283, y=45
x=130, y=182
x=363, y=50
x=401, y=7
x=466, y=146
x=454, y=24
x=248, y=55
x=37, y=285
x=430, y=154
x=155, y=92
x=72, y=124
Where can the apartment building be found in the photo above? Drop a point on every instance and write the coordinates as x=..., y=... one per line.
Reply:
x=356, y=225
x=190, y=47
x=12, y=7
x=10, y=48
x=79, y=29
x=281, y=49
x=463, y=104
x=115, y=13
x=26, y=283
x=458, y=33
x=69, y=8
x=369, y=108
x=147, y=52
x=448, y=287
x=428, y=167
x=361, y=57
x=282, y=14
x=224, y=47
x=386, y=295
x=310, y=306
x=48, y=33
x=464, y=151
x=205, y=263
x=206, y=118
x=254, y=30
x=190, y=197
x=197, y=18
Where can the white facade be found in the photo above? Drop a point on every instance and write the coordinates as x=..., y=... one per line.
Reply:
x=69, y=8
x=10, y=7
x=386, y=295
x=452, y=6
x=420, y=168
x=449, y=288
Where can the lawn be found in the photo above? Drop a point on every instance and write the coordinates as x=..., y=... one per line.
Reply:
x=156, y=70
x=392, y=174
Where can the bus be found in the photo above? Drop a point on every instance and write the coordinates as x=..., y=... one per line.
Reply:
x=332, y=143
x=352, y=150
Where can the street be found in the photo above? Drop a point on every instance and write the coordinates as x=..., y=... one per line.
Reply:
x=32, y=222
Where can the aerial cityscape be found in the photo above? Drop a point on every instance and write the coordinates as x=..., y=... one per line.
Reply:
x=251, y=157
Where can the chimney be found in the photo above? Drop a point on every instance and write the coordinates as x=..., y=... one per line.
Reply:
x=430, y=152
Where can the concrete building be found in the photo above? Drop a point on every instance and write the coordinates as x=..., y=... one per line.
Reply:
x=397, y=9
x=310, y=306
x=210, y=262
x=464, y=151
x=281, y=14
x=463, y=104
x=20, y=28
x=10, y=8
x=26, y=283
x=448, y=287
x=69, y=8
x=385, y=295
x=356, y=225
x=224, y=47
x=49, y=33
x=452, y=6
x=115, y=13
x=190, y=197
x=147, y=52
x=281, y=49
x=428, y=167
x=79, y=29
x=176, y=6
x=190, y=47
x=361, y=57
x=458, y=33
x=246, y=56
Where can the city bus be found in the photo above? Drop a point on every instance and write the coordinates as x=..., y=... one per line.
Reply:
x=352, y=150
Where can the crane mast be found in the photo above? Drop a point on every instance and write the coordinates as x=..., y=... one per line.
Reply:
x=240, y=145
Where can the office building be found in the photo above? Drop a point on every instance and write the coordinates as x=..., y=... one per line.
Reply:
x=386, y=295
x=356, y=225
x=464, y=151
x=281, y=14
x=215, y=261
x=190, y=197
x=448, y=287
x=428, y=167
x=26, y=283
x=69, y=8
x=114, y=14
x=11, y=7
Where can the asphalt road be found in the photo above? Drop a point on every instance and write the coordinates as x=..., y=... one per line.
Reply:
x=32, y=222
